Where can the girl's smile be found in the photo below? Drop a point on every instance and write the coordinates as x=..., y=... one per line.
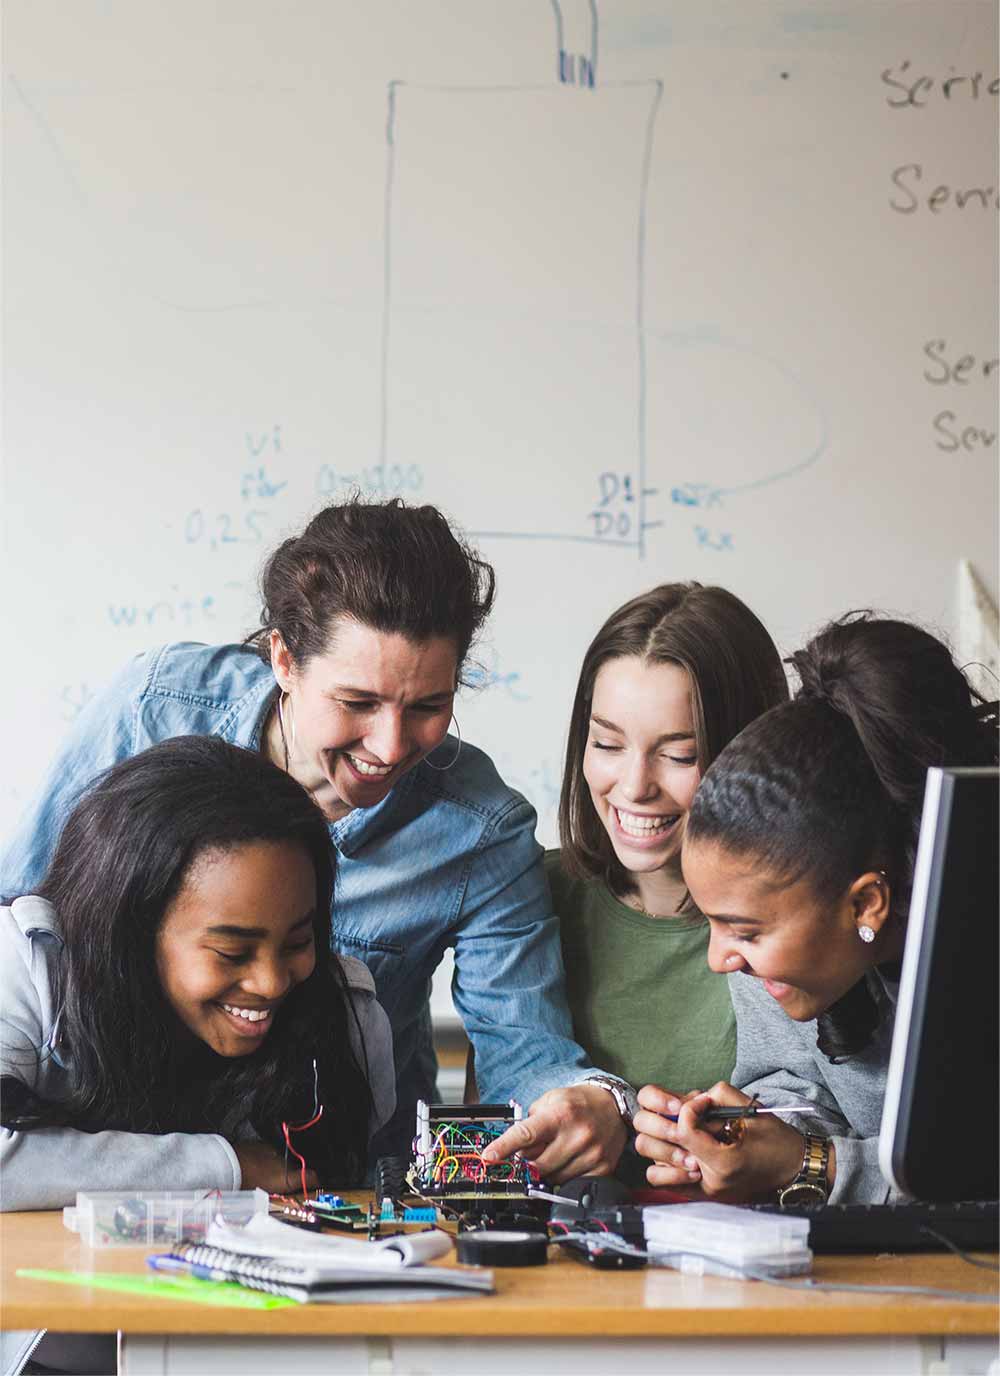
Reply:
x=254, y=1023
x=640, y=829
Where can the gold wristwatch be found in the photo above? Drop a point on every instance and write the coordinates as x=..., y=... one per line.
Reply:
x=810, y=1188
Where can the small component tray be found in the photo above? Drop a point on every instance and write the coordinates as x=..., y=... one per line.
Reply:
x=134, y=1218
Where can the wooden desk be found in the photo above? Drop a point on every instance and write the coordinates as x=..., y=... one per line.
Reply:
x=563, y=1317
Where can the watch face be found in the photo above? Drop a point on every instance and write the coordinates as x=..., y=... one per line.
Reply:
x=802, y=1196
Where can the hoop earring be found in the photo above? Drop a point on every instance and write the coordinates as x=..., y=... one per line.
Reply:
x=454, y=759
x=289, y=750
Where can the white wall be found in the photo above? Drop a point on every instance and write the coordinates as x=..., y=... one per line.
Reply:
x=677, y=325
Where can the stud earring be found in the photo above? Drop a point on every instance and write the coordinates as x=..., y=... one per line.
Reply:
x=866, y=933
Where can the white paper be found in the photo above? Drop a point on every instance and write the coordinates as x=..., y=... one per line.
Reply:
x=269, y=1237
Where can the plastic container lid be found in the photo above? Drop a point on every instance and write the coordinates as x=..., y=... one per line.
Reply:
x=725, y=1231
x=137, y=1218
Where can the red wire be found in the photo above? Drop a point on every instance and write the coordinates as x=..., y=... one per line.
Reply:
x=287, y=1129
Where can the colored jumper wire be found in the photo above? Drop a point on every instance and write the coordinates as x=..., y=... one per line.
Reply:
x=288, y=1128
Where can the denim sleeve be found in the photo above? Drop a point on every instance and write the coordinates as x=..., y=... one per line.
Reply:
x=103, y=734
x=509, y=986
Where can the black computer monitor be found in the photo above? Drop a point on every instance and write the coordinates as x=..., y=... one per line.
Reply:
x=939, y=1124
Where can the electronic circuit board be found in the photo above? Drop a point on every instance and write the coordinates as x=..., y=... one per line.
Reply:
x=448, y=1152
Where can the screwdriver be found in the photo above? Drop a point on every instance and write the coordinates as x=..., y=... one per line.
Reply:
x=733, y=1115
x=736, y=1114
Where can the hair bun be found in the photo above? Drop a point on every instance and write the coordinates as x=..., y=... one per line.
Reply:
x=823, y=674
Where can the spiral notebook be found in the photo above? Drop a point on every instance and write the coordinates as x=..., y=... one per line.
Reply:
x=274, y=1257
x=323, y=1283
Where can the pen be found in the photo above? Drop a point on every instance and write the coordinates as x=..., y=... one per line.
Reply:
x=167, y=1263
x=187, y=1268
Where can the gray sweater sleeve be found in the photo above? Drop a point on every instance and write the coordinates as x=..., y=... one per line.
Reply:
x=778, y=1060
x=44, y=1169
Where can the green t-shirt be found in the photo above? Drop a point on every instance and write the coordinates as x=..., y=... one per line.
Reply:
x=645, y=1005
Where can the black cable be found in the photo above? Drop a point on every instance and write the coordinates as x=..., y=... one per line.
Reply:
x=959, y=1251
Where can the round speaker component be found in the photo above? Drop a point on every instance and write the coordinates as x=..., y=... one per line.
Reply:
x=495, y=1247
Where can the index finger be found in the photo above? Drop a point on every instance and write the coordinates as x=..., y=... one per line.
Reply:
x=659, y=1100
x=689, y=1133
x=519, y=1137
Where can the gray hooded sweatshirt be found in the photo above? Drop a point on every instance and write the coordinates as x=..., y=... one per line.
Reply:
x=44, y=1169
x=778, y=1060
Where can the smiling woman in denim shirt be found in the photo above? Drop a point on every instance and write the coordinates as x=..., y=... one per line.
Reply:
x=349, y=685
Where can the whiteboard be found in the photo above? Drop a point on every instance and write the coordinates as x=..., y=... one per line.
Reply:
x=635, y=292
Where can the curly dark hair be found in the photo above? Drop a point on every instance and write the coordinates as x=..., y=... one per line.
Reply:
x=395, y=568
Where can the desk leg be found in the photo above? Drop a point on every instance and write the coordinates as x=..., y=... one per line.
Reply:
x=965, y=1356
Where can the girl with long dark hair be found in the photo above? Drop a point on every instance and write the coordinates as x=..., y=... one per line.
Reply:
x=800, y=848
x=169, y=999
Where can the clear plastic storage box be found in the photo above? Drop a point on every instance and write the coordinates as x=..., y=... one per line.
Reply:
x=726, y=1240
x=132, y=1218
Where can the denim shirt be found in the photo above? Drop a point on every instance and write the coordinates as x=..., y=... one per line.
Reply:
x=448, y=858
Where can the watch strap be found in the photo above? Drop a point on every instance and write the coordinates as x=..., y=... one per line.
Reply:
x=626, y=1100
x=813, y=1172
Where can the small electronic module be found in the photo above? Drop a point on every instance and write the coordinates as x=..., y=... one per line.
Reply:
x=447, y=1163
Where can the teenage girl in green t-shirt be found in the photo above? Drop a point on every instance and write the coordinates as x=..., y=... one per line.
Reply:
x=670, y=678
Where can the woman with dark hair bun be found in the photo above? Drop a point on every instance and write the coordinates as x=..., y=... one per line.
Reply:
x=799, y=850
x=169, y=996
x=348, y=686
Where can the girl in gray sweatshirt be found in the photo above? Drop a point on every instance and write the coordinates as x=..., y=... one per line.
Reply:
x=171, y=1015
x=799, y=849
x=169, y=1000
